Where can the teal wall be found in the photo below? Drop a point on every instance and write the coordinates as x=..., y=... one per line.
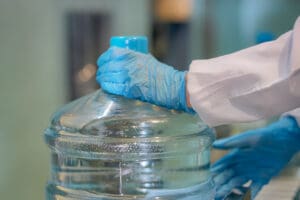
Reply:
x=234, y=24
x=32, y=86
x=33, y=81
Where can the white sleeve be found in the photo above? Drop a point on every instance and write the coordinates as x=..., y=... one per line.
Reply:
x=255, y=83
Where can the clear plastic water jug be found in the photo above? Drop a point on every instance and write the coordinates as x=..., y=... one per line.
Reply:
x=106, y=147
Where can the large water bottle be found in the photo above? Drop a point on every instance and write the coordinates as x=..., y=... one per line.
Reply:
x=106, y=147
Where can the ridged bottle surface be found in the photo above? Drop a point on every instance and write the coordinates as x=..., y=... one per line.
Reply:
x=106, y=147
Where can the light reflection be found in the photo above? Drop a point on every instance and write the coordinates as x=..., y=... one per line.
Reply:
x=87, y=72
x=108, y=108
x=156, y=121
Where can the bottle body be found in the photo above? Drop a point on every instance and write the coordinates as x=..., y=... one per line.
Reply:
x=107, y=147
x=125, y=148
x=176, y=177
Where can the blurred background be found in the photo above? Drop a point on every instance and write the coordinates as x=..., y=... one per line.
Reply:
x=48, y=51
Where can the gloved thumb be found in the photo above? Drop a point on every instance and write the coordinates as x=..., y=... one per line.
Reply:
x=241, y=140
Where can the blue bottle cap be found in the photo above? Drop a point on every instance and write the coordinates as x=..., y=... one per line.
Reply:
x=135, y=43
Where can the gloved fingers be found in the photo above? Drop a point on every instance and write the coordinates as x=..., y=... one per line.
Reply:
x=242, y=171
x=114, y=88
x=254, y=172
x=226, y=188
x=225, y=161
x=223, y=177
x=248, y=171
x=107, y=56
x=247, y=165
x=255, y=188
x=115, y=77
x=258, y=174
x=242, y=140
x=103, y=58
x=114, y=66
x=238, y=157
x=114, y=53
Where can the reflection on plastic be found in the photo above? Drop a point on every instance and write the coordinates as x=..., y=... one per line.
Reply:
x=108, y=147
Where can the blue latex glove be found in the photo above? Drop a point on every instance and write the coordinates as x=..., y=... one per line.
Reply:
x=256, y=155
x=140, y=76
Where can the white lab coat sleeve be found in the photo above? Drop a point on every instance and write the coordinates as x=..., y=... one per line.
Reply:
x=251, y=84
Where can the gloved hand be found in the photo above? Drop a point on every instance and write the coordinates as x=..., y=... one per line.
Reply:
x=140, y=76
x=256, y=155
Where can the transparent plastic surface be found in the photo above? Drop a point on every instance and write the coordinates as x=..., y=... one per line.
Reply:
x=108, y=147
